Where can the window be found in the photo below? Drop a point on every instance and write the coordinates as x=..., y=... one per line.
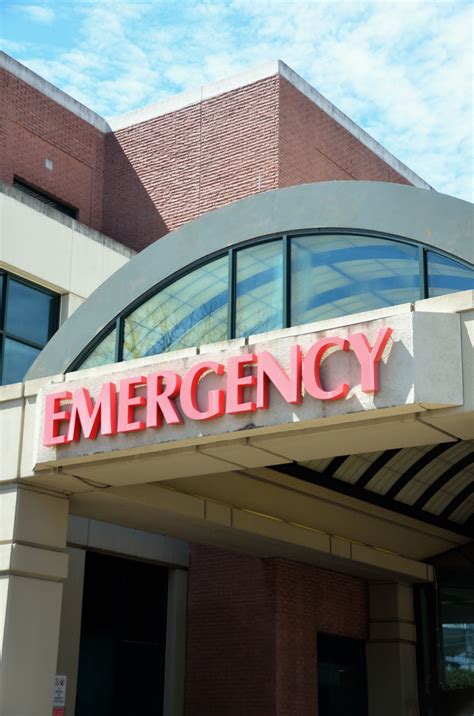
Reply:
x=447, y=276
x=123, y=638
x=28, y=318
x=259, y=289
x=277, y=282
x=45, y=198
x=457, y=621
x=342, y=679
x=190, y=312
x=334, y=276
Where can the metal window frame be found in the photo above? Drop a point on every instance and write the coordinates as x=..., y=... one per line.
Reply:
x=45, y=197
x=231, y=253
x=53, y=323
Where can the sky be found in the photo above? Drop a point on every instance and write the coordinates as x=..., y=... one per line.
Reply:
x=401, y=70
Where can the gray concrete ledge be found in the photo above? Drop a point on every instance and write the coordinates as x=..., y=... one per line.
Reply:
x=64, y=219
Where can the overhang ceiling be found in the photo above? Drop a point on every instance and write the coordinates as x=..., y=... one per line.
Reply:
x=432, y=483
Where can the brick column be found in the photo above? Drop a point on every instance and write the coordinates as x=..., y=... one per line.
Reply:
x=252, y=632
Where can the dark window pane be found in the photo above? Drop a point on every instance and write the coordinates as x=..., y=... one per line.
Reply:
x=45, y=198
x=2, y=279
x=447, y=276
x=103, y=354
x=457, y=618
x=342, y=681
x=259, y=289
x=28, y=312
x=338, y=275
x=123, y=638
x=189, y=312
x=17, y=358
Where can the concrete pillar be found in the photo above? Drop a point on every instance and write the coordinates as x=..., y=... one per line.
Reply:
x=175, y=643
x=391, y=657
x=33, y=564
x=70, y=630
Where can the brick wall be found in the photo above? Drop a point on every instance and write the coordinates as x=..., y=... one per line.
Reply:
x=35, y=128
x=252, y=630
x=311, y=600
x=314, y=147
x=142, y=181
x=230, y=655
x=173, y=168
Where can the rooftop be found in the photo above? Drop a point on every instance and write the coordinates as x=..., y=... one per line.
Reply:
x=202, y=93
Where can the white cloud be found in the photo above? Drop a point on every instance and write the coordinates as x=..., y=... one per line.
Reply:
x=402, y=70
x=38, y=13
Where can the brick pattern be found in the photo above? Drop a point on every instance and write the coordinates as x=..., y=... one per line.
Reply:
x=252, y=630
x=311, y=600
x=35, y=128
x=171, y=169
x=314, y=147
x=143, y=181
x=230, y=656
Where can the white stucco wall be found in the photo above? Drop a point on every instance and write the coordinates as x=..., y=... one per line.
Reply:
x=41, y=245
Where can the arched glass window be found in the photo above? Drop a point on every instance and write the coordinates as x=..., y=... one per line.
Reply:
x=447, y=276
x=279, y=282
x=338, y=275
x=259, y=291
x=189, y=312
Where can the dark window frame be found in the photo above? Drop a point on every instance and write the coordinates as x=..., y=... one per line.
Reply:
x=45, y=197
x=4, y=334
x=231, y=252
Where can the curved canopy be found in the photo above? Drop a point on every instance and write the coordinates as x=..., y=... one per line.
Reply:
x=285, y=257
x=433, y=483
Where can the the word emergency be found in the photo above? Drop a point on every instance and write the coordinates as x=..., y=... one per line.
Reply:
x=167, y=397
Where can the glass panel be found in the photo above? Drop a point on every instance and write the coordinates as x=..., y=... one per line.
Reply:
x=2, y=279
x=457, y=618
x=17, y=358
x=259, y=289
x=342, y=677
x=447, y=276
x=28, y=312
x=102, y=354
x=189, y=312
x=338, y=275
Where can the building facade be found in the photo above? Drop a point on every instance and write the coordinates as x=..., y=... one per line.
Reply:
x=237, y=411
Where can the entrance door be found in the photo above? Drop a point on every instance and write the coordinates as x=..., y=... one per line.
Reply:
x=342, y=678
x=123, y=634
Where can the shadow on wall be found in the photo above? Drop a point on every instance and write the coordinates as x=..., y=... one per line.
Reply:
x=129, y=214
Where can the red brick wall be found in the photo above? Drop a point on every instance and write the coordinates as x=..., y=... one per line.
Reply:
x=35, y=128
x=140, y=182
x=314, y=147
x=311, y=600
x=230, y=655
x=173, y=168
x=252, y=630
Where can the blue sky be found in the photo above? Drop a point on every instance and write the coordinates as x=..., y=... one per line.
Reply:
x=402, y=70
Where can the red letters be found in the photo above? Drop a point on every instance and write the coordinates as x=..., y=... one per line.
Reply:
x=270, y=371
x=189, y=401
x=369, y=358
x=128, y=401
x=165, y=387
x=88, y=416
x=159, y=399
x=53, y=416
x=237, y=381
x=312, y=367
